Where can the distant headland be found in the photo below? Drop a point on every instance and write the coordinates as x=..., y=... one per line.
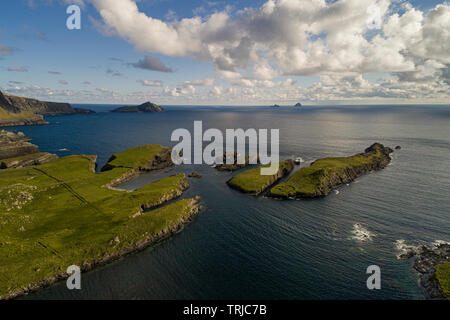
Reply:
x=19, y=111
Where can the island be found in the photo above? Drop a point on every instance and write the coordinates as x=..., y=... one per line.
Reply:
x=234, y=164
x=276, y=106
x=19, y=111
x=147, y=107
x=298, y=105
x=324, y=175
x=253, y=183
x=64, y=213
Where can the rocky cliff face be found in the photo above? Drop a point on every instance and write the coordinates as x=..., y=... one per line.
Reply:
x=15, y=110
x=16, y=151
x=349, y=174
x=425, y=264
x=326, y=174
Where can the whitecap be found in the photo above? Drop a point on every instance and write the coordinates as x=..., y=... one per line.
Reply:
x=360, y=233
x=63, y=149
x=406, y=250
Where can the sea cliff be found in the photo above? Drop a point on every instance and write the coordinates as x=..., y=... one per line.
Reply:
x=324, y=175
x=17, y=111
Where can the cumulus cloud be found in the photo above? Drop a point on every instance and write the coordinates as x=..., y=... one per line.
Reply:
x=18, y=69
x=291, y=37
x=63, y=82
x=151, y=63
x=54, y=72
x=148, y=83
x=199, y=83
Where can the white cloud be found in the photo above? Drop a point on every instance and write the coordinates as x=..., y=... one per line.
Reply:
x=293, y=37
x=148, y=83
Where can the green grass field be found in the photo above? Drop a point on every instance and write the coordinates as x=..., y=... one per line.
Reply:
x=251, y=181
x=443, y=277
x=60, y=214
x=308, y=180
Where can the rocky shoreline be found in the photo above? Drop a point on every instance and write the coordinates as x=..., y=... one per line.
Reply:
x=285, y=170
x=425, y=264
x=16, y=151
x=21, y=111
x=164, y=234
x=329, y=173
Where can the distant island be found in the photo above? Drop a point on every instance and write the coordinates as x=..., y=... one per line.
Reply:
x=275, y=106
x=145, y=107
x=20, y=111
x=298, y=105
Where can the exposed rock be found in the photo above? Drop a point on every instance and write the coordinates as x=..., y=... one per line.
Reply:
x=25, y=111
x=321, y=179
x=145, y=107
x=17, y=152
x=83, y=111
x=234, y=165
x=298, y=105
x=195, y=175
x=284, y=170
x=398, y=148
x=425, y=264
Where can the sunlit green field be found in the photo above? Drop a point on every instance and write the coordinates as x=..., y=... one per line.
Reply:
x=60, y=214
x=308, y=180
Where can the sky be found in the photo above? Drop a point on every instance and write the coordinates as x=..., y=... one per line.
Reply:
x=256, y=52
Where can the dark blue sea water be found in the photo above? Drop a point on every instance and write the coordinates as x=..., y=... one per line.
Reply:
x=257, y=248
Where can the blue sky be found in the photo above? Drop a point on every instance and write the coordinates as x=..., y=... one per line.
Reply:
x=285, y=60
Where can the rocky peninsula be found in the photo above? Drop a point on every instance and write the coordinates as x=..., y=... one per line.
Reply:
x=18, y=111
x=147, y=107
x=324, y=175
x=63, y=213
x=253, y=183
x=17, y=152
x=433, y=266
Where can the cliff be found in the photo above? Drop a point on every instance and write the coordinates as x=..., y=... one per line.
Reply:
x=17, y=152
x=16, y=111
x=326, y=174
x=145, y=107
x=253, y=183
x=433, y=266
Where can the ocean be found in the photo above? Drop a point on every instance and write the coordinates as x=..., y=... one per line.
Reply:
x=242, y=247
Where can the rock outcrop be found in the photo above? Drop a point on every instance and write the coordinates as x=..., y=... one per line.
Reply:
x=145, y=107
x=426, y=263
x=17, y=152
x=17, y=111
x=326, y=174
x=250, y=182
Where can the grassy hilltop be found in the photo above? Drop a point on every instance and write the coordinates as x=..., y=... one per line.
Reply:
x=63, y=213
x=253, y=183
x=325, y=174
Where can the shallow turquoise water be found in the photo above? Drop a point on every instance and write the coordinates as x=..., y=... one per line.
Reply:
x=257, y=248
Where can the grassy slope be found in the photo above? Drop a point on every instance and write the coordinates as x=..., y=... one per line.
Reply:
x=443, y=276
x=4, y=115
x=136, y=157
x=308, y=179
x=251, y=181
x=58, y=214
